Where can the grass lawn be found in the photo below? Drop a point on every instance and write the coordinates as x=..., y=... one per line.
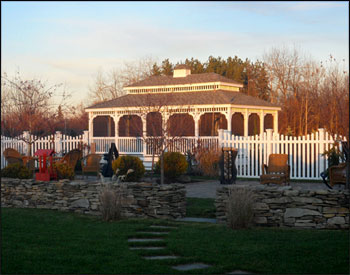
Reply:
x=49, y=242
x=202, y=208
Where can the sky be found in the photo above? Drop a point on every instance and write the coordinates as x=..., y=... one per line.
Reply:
x=69, y=42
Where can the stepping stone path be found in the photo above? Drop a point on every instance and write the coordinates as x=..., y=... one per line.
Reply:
x=185, y=267
x=154, y=233
x=160, y=257
x=239, y=272
x=143, y=240
x=146, y=247
x=157, y=235
x=189, y=219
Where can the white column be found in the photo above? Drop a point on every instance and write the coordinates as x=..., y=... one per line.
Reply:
x=144, y=126
x=58, y=143
x=116, y=129
x=262, y=120
x=196, y=125
x=86, y=141
x=321, y=135
x=91, y=125
x=275, y=122
x=246, y=120
x=91, y=133
x=268, y=143
x=26, y=137
x=221, y=137
x=229, y=119
x=144, y=135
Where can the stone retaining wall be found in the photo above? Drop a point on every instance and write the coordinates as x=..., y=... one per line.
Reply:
x=138, y=199
x=292, y=207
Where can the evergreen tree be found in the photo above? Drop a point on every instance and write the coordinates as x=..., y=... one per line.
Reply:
x=167, y=67
x=156, y=70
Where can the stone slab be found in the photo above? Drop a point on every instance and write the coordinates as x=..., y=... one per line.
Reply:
x=189, y=219
x=140, y=240
x=147, y=248
x=153, y=233
x=239, y=272
x=165, y=257
x=163, y=226
x=192, y=266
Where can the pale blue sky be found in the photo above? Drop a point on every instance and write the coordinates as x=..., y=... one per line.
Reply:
x=67, y=42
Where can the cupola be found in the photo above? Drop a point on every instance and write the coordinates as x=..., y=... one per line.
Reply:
x=181, y=70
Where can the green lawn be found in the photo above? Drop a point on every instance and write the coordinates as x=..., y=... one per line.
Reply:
x=197, y=207
x=49, y=242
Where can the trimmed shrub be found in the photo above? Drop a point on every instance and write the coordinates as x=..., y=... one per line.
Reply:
x=63, y=171
x=208, y=161
x=16, y=170
x=240, y=208
x=110, y=204
x=175, y=164
x=124, y=163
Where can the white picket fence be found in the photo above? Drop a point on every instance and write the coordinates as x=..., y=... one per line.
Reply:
x=305, y=153
x=59, y=142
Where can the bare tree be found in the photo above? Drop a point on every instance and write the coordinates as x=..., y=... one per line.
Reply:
x=311, y=95
x=110, y=85
x=30, y=105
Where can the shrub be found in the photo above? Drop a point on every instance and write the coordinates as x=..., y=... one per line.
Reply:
x=63, y=170
x=110, y=204
x=16, y=170
x=208, y=161
x=124, y=163
x=334, y=157
x=240, y=208
x=175, y=164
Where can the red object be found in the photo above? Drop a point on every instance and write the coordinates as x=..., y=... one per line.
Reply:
x=45, y=174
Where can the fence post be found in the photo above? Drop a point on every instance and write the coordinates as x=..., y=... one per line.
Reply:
x=221, y=137
x=58, y=143
x=85, y=140
x=321, y=151
x=27, y=144
x=268, y=143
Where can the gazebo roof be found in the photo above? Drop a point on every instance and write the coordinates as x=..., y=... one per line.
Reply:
x=189, y=79
x=184, y=99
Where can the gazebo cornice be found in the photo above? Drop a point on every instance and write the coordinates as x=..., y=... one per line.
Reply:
x=189, y=87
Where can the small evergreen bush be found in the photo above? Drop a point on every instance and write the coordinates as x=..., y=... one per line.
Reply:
x=63, y=171
x=124, y=163
x=175, y=164
x=16, y=170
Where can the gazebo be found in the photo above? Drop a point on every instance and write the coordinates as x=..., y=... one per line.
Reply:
x=194, y=106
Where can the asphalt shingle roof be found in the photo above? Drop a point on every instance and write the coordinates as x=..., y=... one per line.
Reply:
x=184, y=99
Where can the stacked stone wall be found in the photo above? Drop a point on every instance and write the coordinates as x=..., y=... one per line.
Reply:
x=292, y=207
x=137, y=199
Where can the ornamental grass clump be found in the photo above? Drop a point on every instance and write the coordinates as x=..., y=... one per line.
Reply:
x=110, y=204
x=240, y=208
